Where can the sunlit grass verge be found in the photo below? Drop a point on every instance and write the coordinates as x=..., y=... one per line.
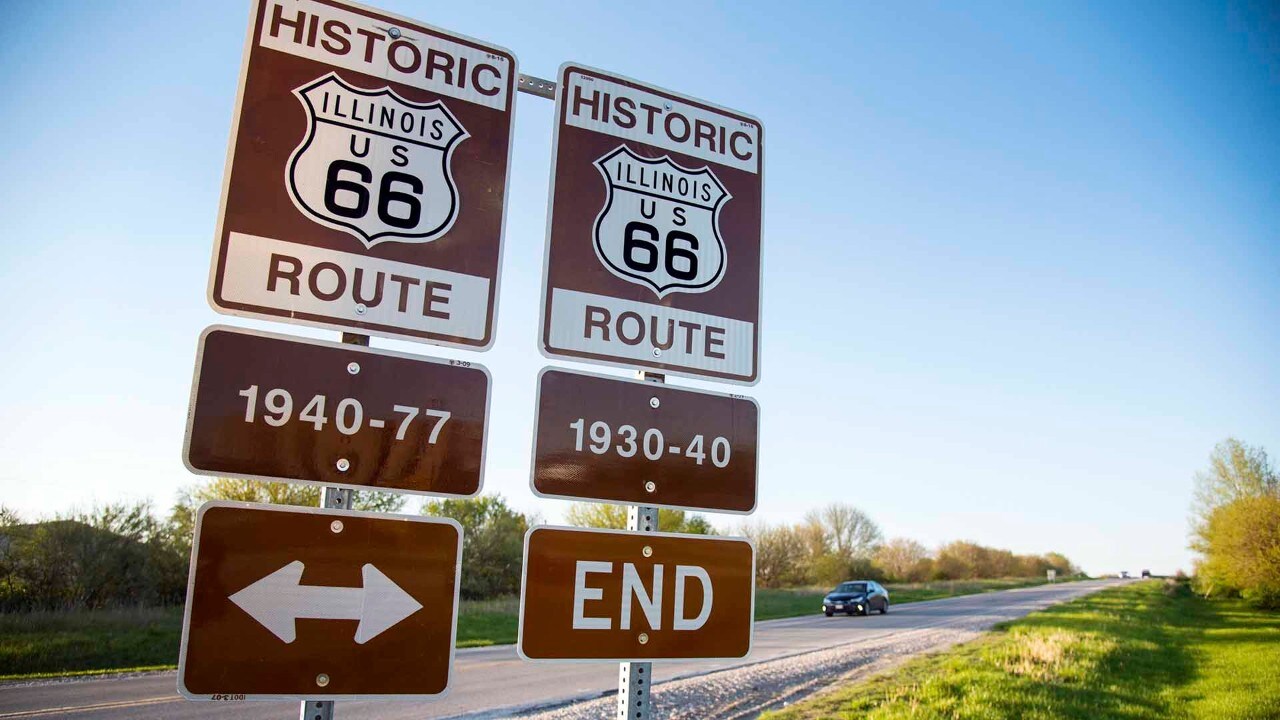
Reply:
x=1149, y=650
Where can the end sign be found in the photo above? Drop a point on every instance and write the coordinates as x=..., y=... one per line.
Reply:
x=653, y=231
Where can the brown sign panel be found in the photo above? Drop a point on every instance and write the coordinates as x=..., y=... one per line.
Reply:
x=366, y=177
x=642, y=443
x=271, y=407
x=304, y=603
x=654, y=230
x=614, y=595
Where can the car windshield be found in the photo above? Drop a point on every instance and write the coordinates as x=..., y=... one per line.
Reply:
x=852, y=587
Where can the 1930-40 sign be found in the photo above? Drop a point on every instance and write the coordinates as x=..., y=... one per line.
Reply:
x=367, y=175
x=654, y=230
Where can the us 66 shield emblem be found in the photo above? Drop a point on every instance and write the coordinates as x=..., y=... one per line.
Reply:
x=375, y=164
x=660, y=225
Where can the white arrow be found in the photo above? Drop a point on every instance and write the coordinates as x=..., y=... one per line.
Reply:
x=278, y=599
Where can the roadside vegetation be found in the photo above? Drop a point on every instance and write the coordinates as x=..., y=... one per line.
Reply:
x=102, y=590
x=1235, y=525
x=1152, y=649
x=48, y=643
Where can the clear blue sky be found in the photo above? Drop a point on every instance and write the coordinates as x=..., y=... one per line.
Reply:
x=1022, y=261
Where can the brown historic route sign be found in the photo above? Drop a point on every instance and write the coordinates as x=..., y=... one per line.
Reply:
x=304, y=603
x=641, y=443
x=366, y=177
x=653, y=231
x=280, y=408
x=614, y=595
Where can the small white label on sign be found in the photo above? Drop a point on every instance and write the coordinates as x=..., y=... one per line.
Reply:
x=584, y=322
x=270, y=273
x=630, y=113
x=357, y=42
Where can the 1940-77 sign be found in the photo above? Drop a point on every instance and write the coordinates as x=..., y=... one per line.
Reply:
x=654, y=230
x=367, y=175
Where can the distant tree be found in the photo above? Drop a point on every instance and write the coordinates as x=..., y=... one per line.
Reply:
x=183, y=517
x=780, y=554
x=600, y=515
x=492, y=545
x=1236, y=470
x=900, y=558
x=1235, y=524
x=846, y=531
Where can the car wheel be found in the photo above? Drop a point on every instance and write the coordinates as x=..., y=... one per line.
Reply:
x=828, y=613
x=884, y=609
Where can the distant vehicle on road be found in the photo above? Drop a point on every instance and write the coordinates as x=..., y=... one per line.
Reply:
x=1124, y=574
x=856, y=596
x=1146, y=573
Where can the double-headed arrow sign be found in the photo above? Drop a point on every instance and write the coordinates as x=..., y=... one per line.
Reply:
x=280, y=598
x=258, y=569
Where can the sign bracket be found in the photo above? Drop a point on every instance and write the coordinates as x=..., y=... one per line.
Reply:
x=536, y=86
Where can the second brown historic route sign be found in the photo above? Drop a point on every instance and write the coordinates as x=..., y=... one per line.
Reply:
x=654, y=230
x=608, y=439
x=367, y=175
x=305, y=603
x=278, y=408
x=613, y=595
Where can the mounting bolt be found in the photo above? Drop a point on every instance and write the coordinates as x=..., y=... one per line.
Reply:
x=361, y=309
x=657, y=352
x=322, y=679
x=394, y=33
x=353, y=368
x=654, y=403
x=344, y=465
x=647, y=551
x=336, y=526
x=644, y=638
x=650, y=486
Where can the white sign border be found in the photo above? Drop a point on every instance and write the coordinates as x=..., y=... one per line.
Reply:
x=319, y=695
x=533, y=452
x=524, y=577
x=548, y=353
x=219, y=241
x=195, y=386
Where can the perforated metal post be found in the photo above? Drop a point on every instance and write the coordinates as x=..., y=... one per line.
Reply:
x=635, y=679
x=333, y=498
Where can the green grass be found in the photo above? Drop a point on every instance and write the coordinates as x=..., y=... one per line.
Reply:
x=58, y=643
x=1149, y=650
x=65, y=643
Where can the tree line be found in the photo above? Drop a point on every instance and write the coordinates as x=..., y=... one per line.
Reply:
x=125, y=555
x=1235, y=525
x=839, y=542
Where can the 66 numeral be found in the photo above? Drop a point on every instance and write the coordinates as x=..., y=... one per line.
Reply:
x=356, y=192
x=640, y=250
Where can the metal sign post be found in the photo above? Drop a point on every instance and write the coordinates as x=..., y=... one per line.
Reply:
x=334, y=498
x=635, y=678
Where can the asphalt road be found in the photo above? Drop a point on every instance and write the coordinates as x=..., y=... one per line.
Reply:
x=789, y=659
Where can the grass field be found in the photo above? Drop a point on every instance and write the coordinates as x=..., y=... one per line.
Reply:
x=1148, y=650
x=62, y=643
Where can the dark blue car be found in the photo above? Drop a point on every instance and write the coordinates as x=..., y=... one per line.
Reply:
x=856, y=596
